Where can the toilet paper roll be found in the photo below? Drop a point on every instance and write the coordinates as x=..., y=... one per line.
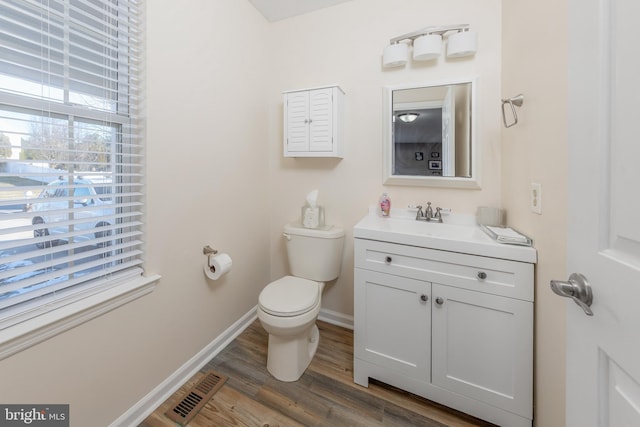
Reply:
x=217, y=266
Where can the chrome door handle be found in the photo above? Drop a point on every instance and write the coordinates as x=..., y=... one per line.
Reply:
x=578, y=289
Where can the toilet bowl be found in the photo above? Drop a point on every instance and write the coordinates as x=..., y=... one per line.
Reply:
x=290, y=319
x=288, y=307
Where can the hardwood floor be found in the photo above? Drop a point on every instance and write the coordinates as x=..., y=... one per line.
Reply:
x=325, y=395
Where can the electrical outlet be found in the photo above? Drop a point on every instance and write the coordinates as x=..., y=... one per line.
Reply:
x=535, y=198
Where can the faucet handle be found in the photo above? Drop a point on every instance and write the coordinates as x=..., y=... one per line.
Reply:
x=439, y=212
x=419, y=213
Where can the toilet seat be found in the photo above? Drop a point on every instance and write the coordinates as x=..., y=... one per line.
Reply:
x=289, y=296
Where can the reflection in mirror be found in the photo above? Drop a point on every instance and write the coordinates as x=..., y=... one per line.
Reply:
x=429, y=135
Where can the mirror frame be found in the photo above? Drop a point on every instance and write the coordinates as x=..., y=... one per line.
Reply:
x=388, y=178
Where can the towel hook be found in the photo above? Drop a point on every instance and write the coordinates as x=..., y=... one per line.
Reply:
x=514, y=102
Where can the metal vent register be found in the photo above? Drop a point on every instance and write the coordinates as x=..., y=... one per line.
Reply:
x=185, y=410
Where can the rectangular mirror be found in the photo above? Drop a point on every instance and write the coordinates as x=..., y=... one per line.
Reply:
x=429, y=135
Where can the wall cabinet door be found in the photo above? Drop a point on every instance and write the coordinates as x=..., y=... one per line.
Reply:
x=297, y=122
x=312, y=122
x=483, y=347
x=393, y=322
x=321, y=120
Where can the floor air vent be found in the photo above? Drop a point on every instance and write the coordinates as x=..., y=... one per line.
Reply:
x=196, y=397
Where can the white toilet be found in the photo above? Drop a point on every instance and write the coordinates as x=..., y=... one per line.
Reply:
x=288, y=307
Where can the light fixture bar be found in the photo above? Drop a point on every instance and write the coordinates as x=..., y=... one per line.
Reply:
x=429, y=30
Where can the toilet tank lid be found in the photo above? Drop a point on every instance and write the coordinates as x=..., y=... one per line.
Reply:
x=325, y=232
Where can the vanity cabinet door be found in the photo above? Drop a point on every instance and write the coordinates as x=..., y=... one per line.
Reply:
x=392, y=322
x=483, y=347
x=312, y=122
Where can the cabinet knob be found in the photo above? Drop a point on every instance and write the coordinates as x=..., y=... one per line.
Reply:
x=482, y=275
x=388, y=259
x=424, y=298
x=439, y=301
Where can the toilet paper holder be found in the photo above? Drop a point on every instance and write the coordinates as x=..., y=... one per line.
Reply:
x=208, y=250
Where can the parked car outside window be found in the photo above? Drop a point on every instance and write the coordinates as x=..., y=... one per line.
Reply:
x=61, y=202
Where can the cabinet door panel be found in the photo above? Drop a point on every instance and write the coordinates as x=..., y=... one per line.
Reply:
x=483, y=348
x=393, y=322
x=321, y=120
x=297, y=121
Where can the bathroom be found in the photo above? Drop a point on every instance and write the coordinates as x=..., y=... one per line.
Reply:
x=215, y=174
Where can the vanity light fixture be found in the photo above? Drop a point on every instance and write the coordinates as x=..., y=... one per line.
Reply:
x=408, y=117
x=395, y=55
x=427, y=44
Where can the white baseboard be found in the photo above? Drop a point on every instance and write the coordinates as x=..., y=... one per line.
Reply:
x=335, y=318
x=141, y=410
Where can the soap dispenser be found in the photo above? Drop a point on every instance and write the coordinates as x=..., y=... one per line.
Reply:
x=385, y=205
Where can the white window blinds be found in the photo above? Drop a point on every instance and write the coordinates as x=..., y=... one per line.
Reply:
x=70, y=149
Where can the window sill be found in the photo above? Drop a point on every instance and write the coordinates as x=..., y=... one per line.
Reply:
x=23, y=335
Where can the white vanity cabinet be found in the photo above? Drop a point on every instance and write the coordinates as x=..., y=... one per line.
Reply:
x=313, y=122
x=455, y=328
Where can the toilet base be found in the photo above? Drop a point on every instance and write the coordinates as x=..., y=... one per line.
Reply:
x=289, y=356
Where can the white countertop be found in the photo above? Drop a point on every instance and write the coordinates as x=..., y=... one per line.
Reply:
x=458, y=233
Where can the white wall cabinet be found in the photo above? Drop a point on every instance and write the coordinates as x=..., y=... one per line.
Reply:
x=454, y=328
x=313, y=124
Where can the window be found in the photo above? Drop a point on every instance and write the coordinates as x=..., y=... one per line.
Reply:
x=70, y=151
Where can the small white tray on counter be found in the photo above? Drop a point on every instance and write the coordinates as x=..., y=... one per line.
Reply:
x=507, y=235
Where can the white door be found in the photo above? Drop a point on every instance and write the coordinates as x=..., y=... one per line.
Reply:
x=603, y=350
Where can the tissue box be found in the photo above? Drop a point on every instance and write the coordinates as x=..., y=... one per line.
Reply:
x=312, y=217
x=490, y=216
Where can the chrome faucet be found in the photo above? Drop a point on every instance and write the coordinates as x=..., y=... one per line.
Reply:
x=428, y=214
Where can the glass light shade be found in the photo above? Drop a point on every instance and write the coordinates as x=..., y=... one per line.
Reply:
x=408, y=117
x=427, y=47
x=395, y=55
x=463, y=43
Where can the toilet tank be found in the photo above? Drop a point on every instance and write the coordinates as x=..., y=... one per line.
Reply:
x=314, y=253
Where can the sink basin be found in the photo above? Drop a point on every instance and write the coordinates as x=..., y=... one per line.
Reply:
x=456, y=234
x=432, y=229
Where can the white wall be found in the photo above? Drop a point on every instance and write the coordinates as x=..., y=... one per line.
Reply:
x=343, y=45
x=208, y=183
x=535, y=150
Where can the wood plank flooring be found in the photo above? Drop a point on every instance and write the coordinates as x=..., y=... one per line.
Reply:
x=325, y=395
